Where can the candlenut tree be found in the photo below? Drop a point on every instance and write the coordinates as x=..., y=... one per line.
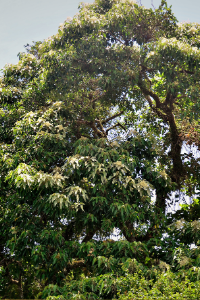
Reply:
x=93, y=124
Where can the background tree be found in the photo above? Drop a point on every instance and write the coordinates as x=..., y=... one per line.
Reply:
x=94, y=120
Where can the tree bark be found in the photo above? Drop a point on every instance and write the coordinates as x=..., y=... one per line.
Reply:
x=128, y=231
x=89, y=236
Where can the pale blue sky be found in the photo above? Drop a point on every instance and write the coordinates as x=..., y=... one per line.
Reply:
x=24, y=21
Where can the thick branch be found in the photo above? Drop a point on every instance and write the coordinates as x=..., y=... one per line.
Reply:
x=165, y=112
x=100, y=125
x=97, y=131
x=89, y=236
x=148, y=92
x=176, y=145
x=128, y=231
x=158, y=112
x=69, y=231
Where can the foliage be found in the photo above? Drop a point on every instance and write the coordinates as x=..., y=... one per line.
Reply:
x=133, y=285
x=94, y=123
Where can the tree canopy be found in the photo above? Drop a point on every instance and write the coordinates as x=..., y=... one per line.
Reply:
x=94, y=122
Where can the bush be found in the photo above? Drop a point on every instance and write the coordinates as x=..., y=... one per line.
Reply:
x=134, y=281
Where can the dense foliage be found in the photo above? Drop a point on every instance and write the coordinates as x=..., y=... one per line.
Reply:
x=94, y=121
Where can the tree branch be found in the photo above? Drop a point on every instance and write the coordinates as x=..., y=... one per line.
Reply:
x=118, y=124
x=148, y=92
x=111, y=118
x=89, y=236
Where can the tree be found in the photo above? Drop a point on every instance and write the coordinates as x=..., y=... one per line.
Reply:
x=94, y=120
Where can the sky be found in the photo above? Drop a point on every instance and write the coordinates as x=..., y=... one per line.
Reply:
x=24, y=21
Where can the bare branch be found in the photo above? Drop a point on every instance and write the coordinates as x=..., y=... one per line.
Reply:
x=113, y=117
x=118, y=124
x=14, y=281
x=97, y=131
x=116, y=38
x=100, y=124
x=187, y=72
